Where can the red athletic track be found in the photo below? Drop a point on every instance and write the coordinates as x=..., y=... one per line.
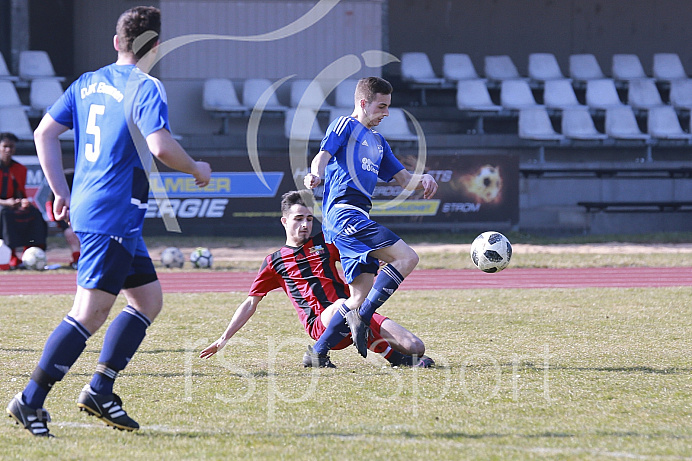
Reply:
x=211, y=281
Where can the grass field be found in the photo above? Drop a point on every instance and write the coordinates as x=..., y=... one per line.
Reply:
x=522, y=374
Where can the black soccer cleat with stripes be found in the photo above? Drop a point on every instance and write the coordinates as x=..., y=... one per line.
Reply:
x=108, y=408
x=34, y=421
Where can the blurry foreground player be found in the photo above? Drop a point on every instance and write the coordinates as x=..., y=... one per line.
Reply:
x=305, y=268
x=67, y=231
x=112, y=110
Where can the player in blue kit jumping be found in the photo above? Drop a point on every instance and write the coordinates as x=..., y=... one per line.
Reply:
x=120, y=117
x=353, y=156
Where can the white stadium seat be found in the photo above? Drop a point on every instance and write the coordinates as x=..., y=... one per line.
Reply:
x=583, y=67
x=254, y=88
x=577, y=123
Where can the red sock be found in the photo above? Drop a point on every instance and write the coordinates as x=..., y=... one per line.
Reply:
x=75, y=256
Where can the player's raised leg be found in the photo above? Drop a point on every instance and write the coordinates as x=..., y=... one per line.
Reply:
x=401, y=259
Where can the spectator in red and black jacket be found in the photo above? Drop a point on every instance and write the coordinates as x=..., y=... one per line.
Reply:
x=21, y=223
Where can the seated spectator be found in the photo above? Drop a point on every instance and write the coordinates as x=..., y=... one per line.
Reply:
x=21, y=223
x=70, y=237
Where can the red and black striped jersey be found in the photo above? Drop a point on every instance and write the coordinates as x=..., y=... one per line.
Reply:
x=13, y=180
x=307, y=274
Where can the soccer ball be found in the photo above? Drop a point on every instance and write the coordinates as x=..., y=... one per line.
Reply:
x=491, y=251
x=172, y=257
x=34, y=258
x=201, y=258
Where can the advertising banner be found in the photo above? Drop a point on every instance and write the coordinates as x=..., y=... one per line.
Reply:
x=472, y=189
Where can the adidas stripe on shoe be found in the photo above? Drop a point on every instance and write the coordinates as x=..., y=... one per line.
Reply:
x=33, y=420
x=108, y=408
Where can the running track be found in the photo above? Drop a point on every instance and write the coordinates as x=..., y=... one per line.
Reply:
x=25, y=282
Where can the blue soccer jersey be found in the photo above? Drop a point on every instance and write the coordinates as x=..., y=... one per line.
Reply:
x=111, y=188
x=359, y=157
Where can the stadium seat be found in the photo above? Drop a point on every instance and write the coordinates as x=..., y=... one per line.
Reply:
x=621, y=123
x=344, y=93
x=499, y=68
x=584, y=67
x=681, y=94
x=534, y=123
x=8, y=95
x=35, y=64
x=308, y=94
x=4, y=71
x=642, y=94
x=516, y=94
x=577, y=123
x=559, y=94
x=44, y=92
x=626, y=67
x=221, y=101
x=544, y=66
x=417, y=71
x=473, y=95
x=602, y=94
x=458, y=66
x=15, y=120
x=306, y=125
x=254, y=88
x=668, y=67
x=416, y=68
x=394, y=127
x=663, y=123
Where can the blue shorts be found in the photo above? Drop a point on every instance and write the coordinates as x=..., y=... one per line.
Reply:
x=356, y=235
x=112, y=263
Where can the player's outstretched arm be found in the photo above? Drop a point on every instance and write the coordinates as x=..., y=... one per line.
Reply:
x=411, y=181
x=242, y=314
x=164, y=147
x=319, y=163
x=50, y=156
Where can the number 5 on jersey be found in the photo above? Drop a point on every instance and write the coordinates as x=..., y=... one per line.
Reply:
x=92, y=151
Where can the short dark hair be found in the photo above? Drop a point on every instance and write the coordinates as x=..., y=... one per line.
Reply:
x=291, y=198
x=8, y=136
x=368, y=87
x=135, y=22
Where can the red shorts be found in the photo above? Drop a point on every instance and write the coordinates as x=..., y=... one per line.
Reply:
x=317, y=329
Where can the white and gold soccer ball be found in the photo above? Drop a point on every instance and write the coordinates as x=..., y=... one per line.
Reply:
x=34, y=258
x=491, y=252
x=172, y=257
x=201, y=258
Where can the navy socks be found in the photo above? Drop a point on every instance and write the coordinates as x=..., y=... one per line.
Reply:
x=62, y=349
x=336, y=331
x=386, y=283
x=123, y=337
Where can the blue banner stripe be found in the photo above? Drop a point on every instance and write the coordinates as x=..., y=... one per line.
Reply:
x=230, y=185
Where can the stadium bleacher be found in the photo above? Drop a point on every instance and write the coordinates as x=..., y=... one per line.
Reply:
x=581, y=105
x=629, y=91
x=25, y=96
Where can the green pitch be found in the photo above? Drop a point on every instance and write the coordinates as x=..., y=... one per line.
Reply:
x=522, y=374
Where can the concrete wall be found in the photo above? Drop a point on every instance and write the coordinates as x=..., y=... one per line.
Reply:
x=562, y=27
x=306, y=45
